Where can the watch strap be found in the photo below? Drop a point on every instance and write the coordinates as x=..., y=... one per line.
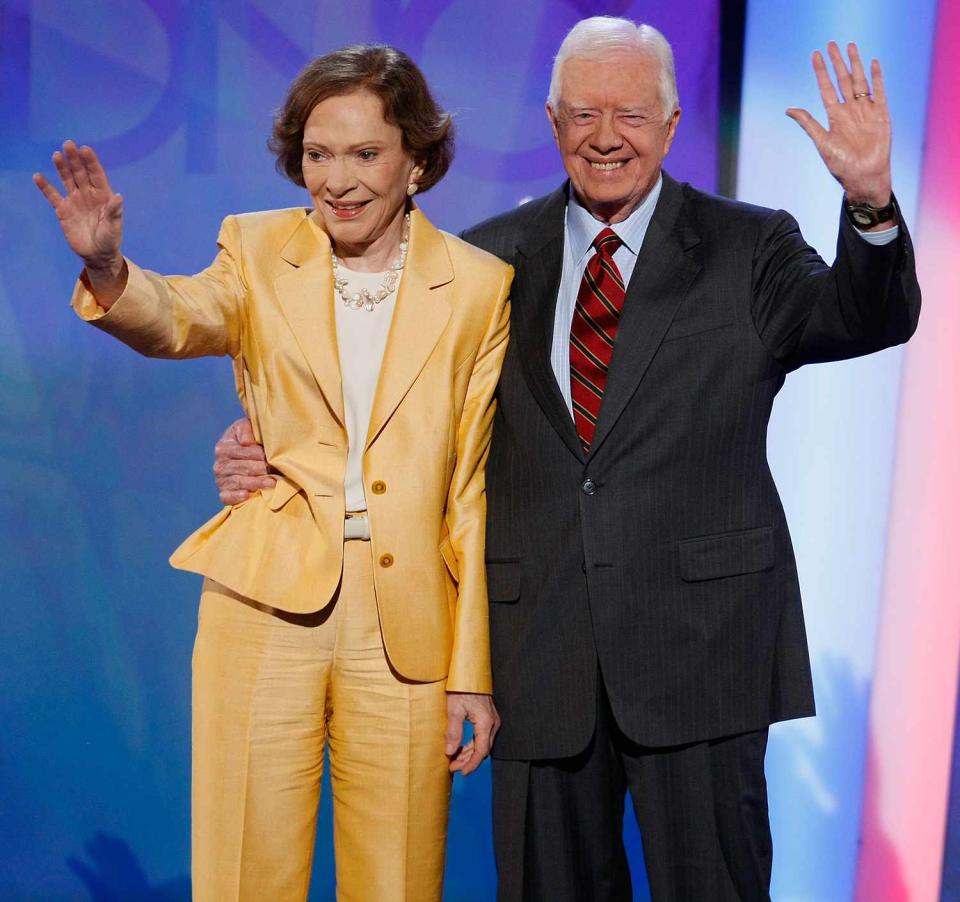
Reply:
x=865, y=216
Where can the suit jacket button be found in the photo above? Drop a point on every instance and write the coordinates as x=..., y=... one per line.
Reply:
x=379, y=487
x=589, y=487
x=386, y=560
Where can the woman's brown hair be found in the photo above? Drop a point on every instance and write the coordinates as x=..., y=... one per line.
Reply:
x=389, y=74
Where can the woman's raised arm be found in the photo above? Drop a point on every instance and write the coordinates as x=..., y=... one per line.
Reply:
x=91, y=217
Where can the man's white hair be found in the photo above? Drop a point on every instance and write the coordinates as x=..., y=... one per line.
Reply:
x=596, y=37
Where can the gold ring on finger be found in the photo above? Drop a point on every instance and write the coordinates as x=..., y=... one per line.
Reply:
x=862, y=94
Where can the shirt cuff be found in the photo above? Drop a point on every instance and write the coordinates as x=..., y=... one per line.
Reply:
x=880, y=238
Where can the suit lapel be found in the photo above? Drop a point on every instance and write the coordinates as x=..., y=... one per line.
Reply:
x=419, y=318
x=305, y=292
x=668, y=262
x=534, y=303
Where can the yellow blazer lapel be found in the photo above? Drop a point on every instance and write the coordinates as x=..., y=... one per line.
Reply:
x=420, y=316
x=306, y=298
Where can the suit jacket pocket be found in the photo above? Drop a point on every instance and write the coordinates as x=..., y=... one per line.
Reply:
x=690, y=327
x=726, y=554
x=503, y=580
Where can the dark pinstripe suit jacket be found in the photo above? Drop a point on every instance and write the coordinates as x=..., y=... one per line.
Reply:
x=676, y=573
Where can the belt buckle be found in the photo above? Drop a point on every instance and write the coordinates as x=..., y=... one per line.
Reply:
x=356, y=526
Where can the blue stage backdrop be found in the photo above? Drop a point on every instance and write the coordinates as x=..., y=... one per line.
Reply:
x=106, y=456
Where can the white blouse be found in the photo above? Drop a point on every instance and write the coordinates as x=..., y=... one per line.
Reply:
x=361, y=341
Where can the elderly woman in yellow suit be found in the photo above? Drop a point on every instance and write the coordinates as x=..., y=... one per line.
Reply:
x=346, y=603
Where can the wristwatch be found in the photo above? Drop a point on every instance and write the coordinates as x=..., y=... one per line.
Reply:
x=864, y=216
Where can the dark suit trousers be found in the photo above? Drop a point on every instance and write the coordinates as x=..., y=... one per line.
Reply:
x=701, y=808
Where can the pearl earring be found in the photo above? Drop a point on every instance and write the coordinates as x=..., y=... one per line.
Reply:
x=412, y=188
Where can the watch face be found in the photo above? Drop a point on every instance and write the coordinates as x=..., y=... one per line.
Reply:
x=861, y=217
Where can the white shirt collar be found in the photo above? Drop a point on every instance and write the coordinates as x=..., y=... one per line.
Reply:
x=582, y=227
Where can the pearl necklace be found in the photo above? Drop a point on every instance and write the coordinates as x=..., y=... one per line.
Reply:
x=364, y=298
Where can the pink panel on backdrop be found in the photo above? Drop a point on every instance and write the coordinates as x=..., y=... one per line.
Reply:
x=914, y=694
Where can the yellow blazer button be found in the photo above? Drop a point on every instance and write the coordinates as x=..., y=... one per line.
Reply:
x=379, y=487
x=386, y=560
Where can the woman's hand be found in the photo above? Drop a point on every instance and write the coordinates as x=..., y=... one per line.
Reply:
x=480, y=711
x=91, y=217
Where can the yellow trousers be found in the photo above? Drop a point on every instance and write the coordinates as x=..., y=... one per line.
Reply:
x=269, y=690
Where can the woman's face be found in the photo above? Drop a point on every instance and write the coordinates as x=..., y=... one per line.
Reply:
x=356, y=171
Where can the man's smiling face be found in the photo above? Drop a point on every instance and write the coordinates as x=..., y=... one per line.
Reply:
x=611, y=129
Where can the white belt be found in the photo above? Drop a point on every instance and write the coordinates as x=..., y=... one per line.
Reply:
x=356, y=526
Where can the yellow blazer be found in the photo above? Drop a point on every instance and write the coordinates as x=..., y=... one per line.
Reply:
x=267, y=301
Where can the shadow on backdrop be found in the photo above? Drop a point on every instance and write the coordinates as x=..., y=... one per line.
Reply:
x=114, y=874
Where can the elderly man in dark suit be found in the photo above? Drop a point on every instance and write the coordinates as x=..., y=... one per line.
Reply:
x=645, y=609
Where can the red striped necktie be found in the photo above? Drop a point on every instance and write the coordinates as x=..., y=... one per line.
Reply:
x=593, y=333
